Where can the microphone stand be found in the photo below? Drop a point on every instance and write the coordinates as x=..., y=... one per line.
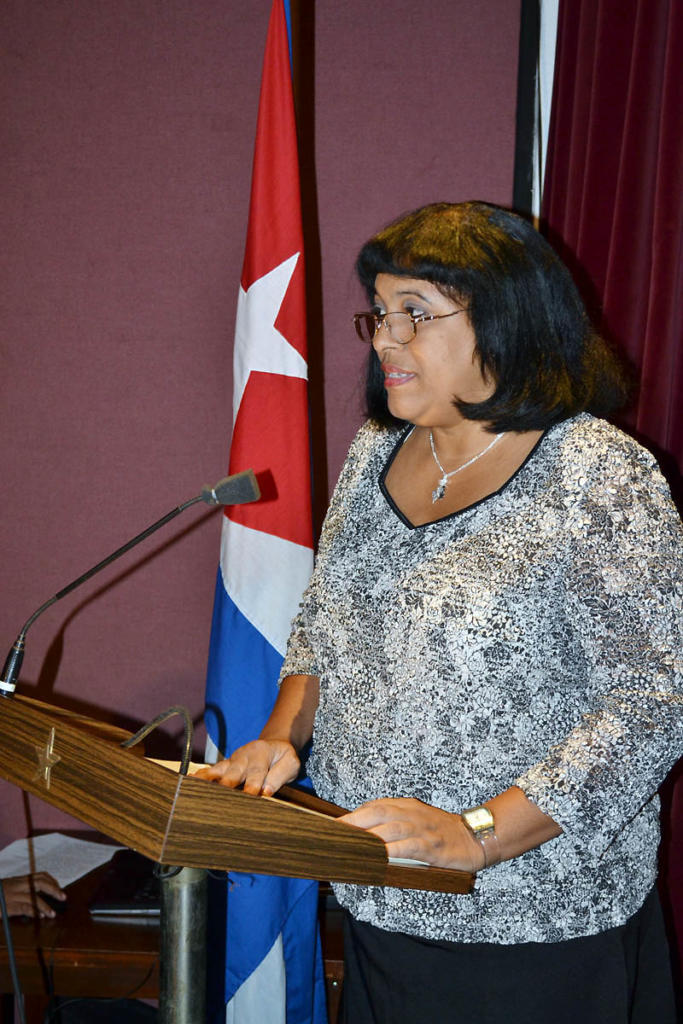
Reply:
x=183, y=890
x=233, y=490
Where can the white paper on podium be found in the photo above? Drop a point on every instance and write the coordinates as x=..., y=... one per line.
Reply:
x=64, y=857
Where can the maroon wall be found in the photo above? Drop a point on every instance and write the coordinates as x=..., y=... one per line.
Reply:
x=124, y=181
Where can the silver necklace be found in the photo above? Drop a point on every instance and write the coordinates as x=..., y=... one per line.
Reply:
x=440, y=490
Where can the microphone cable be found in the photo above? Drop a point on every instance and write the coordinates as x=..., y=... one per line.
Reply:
x=161, y=870
x=18, y=994
x=163, y=716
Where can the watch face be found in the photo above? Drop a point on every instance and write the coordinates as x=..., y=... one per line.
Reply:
x=479, y=819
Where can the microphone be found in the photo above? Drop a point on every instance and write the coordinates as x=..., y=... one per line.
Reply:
x=237, y=489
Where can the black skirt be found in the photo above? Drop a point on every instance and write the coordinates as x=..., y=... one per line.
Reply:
x=621, y=976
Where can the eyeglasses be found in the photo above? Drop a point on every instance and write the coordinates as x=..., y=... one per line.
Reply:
x=401, y=326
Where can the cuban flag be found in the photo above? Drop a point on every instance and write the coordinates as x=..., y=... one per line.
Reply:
x=273, y=962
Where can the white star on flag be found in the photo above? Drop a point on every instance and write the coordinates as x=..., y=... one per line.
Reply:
x=258, y=344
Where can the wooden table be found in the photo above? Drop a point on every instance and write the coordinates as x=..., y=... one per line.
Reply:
x=76, y=955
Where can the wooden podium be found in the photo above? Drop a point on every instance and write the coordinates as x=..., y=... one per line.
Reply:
x=78, y=765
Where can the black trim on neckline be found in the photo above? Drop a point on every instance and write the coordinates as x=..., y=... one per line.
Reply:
x=451, y=515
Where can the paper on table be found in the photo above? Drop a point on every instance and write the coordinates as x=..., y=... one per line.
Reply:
x=408, y=862
x=174, y=766
x=64, y=857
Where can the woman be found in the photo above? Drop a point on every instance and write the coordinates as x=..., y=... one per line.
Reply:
x=488, y=655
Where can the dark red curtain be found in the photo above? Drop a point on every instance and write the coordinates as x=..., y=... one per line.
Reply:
x=613, y=197
x=613, y=207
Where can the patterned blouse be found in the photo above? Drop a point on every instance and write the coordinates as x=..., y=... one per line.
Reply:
x=532, y=639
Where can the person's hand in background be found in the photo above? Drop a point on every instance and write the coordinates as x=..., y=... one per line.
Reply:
x=22, y=894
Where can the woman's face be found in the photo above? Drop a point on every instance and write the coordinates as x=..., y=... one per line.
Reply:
x=423, y=377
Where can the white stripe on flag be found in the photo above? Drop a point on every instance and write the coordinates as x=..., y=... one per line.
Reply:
x=282, y=569
x=261, y=998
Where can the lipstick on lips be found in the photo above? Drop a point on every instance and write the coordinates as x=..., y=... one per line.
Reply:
x=395, y=376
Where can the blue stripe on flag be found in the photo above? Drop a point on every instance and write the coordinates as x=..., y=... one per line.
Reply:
x=239, y=658
x=242, y=673
x=288, y=19
x=301, y=942
x=287, y=905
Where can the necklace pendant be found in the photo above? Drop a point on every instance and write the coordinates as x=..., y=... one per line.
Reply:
x=439, y=491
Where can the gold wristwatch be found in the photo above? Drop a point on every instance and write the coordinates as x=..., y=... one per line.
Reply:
x=479, y=820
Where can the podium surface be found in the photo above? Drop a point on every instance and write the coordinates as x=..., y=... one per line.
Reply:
x=78, y=765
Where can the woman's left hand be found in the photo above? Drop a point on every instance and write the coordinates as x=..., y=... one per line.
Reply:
x=418, y=831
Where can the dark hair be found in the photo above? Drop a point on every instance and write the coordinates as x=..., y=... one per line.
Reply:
x=533, y=336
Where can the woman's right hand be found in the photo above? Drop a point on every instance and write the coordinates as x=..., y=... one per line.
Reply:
x=261, y=767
